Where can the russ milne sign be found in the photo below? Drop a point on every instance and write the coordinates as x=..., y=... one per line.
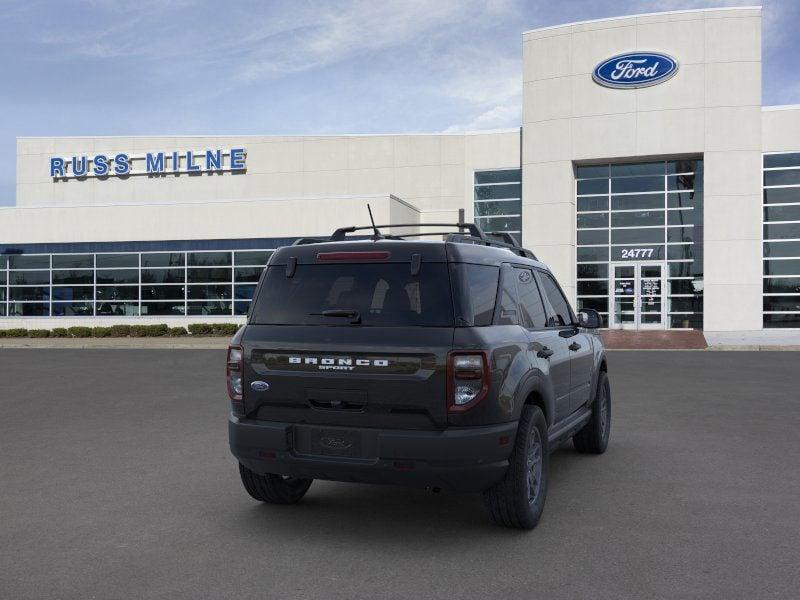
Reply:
x=635, y=70
x=151, y=163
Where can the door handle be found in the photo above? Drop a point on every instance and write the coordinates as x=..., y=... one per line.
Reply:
x=574, y=346
x=545, y=352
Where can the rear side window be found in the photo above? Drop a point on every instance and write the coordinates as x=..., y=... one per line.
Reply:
x=530, y=300
x=385, y=295
x=563, y=314
x=475, y=288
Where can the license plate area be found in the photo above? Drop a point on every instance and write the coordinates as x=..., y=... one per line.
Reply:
x=334, y=442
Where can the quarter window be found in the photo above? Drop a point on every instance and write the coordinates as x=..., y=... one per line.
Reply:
x=530, y=300
x=561, y=311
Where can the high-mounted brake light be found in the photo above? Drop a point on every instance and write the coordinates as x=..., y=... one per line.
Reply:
x=468, y=379
x=233, y=376
x=369, y=255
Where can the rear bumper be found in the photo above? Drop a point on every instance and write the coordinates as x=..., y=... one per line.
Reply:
x=467, y=459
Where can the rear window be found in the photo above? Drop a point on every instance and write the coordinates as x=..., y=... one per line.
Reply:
x=384, y=295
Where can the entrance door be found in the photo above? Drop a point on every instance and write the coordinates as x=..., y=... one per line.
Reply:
x=637, y=300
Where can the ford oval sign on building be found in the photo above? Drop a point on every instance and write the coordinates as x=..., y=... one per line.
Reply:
x=635, y=70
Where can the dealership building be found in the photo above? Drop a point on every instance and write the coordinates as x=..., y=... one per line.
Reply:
x=646, y=173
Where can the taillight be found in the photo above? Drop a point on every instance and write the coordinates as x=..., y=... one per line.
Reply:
x=467, y=379
x=233, y=375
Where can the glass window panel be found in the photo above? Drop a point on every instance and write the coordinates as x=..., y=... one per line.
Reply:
x=782, y=267
x=782, y=285
x=29, y=277
x=782, y=195
x=499, y=176
x=112, y=261
x=2, y=294
x=788, y=177
x=782, y=249
x=651, y=168
x=680, y=252
x=693, y=304
x=593, y=186
x=247, y=274
x=684, y=217
x=208, y=259
x=251, y=257
x=209, y=275
x=636, y=184
x=640, y=252
x=3, y=261
x=593, y=288
x=596, y=203
x=502, y=207
x=162, y=292
x=85, y=276
x=117, y=309
x=684, y=166
x=683, y=182
x=209, y=308
x=787, y=320
x=683, y=286
x=680, y=234
x=637, y=202
x=244, y=292
x=593, y=220
x=73, y=292
x=28, y=309
x=163, y=275
x=562, y=312
x=685, y=200
x=782, y=231
x=499, y=223
x=2, y=309
x=637, y=236
x=592, y=254
x=686, y=321
x=681, y=269
x=782, y=160
x=162, y=308
x=73, y=261
x=593, y=271
x=592, y=236
x=73, y=309
x=598, y=304
x=639, y=218
x=118, y=276
x=782, y=303
x=209, y=292
x=2, y=277
x=163, y=259
x=29, y=293
x=531, y=304
x=121, y=292
x=27, y=261
x=591, y=171
x=491, y=192
x=240, y=307
x=782, y=213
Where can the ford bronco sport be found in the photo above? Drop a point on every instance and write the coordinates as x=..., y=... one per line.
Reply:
x=454, y=363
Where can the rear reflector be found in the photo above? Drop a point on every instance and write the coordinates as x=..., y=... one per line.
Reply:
x=372, y=255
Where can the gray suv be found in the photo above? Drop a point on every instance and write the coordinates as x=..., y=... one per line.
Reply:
x=452, y=363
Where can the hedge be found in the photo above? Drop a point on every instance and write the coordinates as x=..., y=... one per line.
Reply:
x=116, y=331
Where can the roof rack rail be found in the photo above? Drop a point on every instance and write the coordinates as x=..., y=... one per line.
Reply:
x=473, y=235
x=309, y=240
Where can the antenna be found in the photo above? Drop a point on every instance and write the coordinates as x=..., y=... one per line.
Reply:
x=377, y=235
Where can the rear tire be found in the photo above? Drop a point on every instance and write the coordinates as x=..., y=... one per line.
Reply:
x=274, y=489
x=593, y=437
x=518, y=500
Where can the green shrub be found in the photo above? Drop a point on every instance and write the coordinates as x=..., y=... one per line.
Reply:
x=226, y=329
x=80, y=332
x=38, y=333
x=138, y=331
x=156, y=330
x=16, y=332
x=101, y=332
x=59, y=332
x=177, y=331
x=120, y=330
x=201, y=329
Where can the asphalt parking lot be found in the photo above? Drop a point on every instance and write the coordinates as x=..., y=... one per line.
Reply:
x=116, y=482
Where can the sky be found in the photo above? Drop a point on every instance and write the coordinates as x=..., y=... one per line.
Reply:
x=161, y=67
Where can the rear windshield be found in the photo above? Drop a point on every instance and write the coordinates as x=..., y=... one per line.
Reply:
x=385, y=295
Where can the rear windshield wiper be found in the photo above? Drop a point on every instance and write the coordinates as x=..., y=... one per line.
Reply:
x=353, y=315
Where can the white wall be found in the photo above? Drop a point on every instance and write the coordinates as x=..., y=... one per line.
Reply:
x=711, y=107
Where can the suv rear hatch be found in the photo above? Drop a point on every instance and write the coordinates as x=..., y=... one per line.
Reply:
x=351, y=334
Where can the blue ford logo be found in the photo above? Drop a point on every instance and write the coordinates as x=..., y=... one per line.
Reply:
x=259, y=386
x=635, y=70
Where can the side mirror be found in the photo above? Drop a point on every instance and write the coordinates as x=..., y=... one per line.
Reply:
x=590, y=319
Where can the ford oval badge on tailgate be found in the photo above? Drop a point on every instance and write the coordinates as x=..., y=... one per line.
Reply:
x=259, y=386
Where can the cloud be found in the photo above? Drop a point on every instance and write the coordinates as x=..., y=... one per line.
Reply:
x=497, y=117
